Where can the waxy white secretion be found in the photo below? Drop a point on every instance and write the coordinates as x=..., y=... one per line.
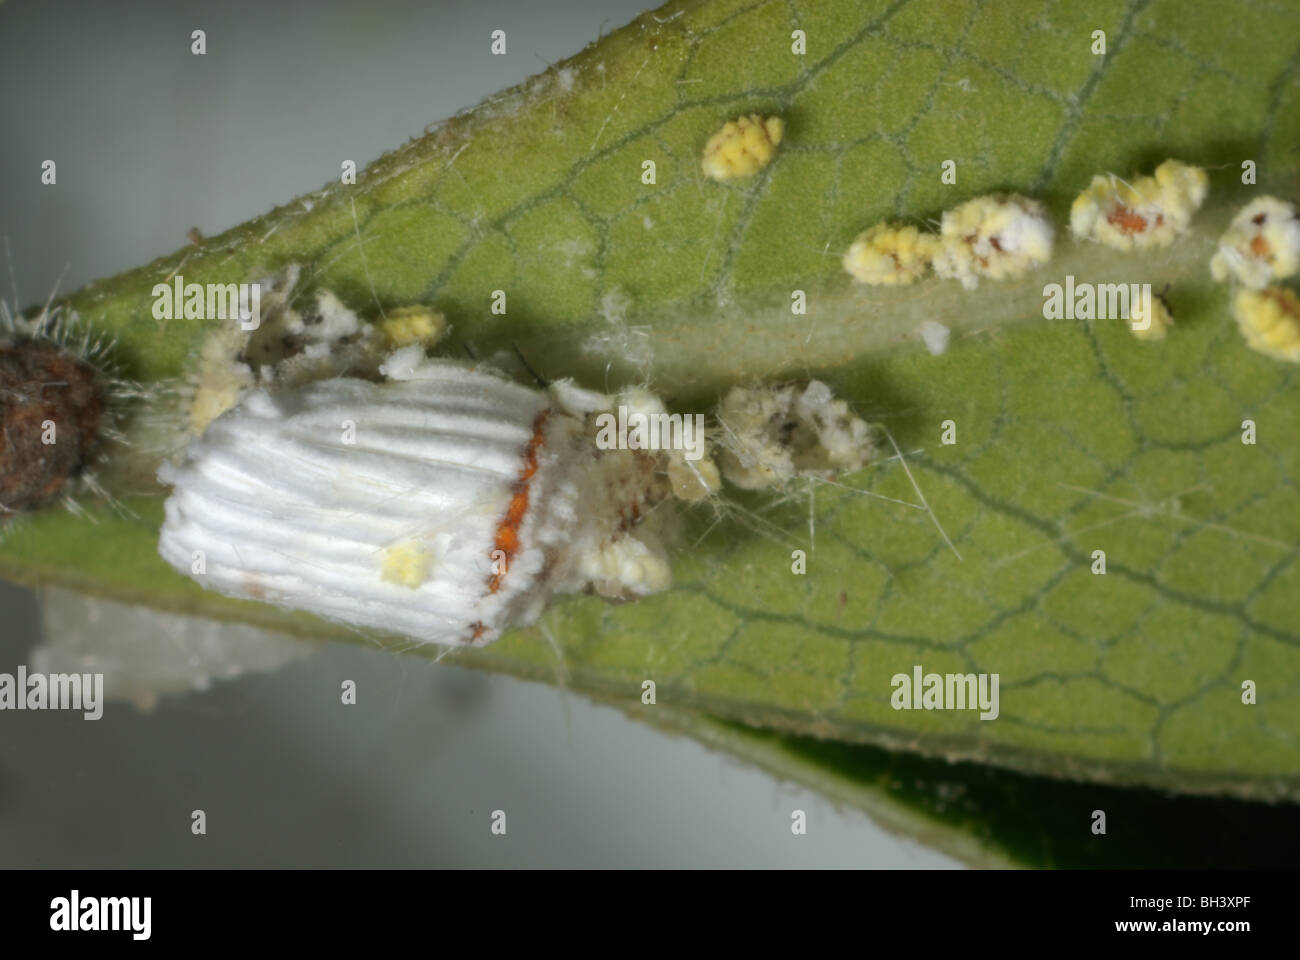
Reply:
x=444, y=504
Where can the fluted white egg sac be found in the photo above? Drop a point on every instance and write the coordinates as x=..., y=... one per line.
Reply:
x=444, y=505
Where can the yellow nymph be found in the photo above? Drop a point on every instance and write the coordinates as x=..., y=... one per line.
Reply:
x=407, y=563
x=890, y=255
x=1161, y=320
x=1148, y=212
x=415, y=324
x=742, y=147
x=1270, y=321
x=1262, y=244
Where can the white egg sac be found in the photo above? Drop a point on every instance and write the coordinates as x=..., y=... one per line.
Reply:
x=444, y=506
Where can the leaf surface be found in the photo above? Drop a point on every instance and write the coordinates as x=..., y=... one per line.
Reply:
x=1071, y=435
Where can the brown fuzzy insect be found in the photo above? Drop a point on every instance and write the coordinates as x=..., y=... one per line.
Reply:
x=52, y=409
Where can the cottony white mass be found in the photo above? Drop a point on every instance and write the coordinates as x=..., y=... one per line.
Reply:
x=445, y=504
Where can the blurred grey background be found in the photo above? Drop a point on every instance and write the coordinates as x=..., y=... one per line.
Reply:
x=149, y=142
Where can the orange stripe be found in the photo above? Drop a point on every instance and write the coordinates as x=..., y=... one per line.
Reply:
x=507, y=536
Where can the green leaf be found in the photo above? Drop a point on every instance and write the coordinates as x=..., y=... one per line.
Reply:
x=1072, y=436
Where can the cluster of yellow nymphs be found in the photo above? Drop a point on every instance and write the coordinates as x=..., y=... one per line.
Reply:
x=993, y=236
x=1149, y=212
x=1261, y=245
x=891, y=255
x=742, y=147
x=1002, y=236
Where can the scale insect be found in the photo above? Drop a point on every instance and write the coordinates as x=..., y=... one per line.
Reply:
x=773, y=434
x=890, y=255
x=1261, y=245
x=742, y=147
x=996, y=237
x=445, y=503
x=1150, y=212
x=1269, y=319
